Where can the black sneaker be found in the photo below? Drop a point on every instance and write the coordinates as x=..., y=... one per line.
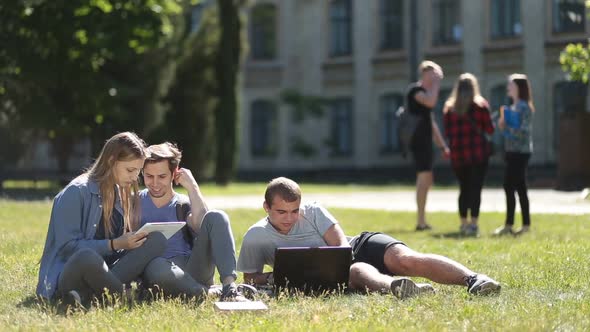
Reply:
x=72, y=300
x=480, y=284
x=230, y=293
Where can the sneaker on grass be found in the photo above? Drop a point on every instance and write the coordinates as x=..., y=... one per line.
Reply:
x=230, y=293
x=404, y=288
x=480, y=284
x=504, y=230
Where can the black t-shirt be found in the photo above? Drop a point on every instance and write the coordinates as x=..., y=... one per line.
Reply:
x=422, y=138
x=117, y=230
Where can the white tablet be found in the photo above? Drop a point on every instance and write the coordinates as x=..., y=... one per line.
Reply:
x=168, y=228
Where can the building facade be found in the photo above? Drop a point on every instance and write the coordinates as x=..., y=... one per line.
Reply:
x=360, y=56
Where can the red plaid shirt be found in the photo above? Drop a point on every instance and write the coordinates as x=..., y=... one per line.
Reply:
x=468, y=145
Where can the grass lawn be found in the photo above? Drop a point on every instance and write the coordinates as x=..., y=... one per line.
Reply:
x=544, y=274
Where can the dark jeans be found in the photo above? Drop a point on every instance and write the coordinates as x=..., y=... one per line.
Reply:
x=213, y=247
x=471, y=179
x=87, y=272
x=515, y=181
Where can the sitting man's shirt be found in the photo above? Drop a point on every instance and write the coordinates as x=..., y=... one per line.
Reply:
x=177, y=245
x=261, y=240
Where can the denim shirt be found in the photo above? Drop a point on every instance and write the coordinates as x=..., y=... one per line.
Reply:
x=75, y=215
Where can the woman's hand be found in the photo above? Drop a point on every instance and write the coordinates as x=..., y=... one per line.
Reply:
x=130, y=240
x=501, y=124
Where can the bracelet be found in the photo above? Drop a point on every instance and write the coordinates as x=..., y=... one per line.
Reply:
x=112, y=246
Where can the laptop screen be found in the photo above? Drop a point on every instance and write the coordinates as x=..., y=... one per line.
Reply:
x=310, y=269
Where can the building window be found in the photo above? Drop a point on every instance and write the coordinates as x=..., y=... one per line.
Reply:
x=392, y=24
x=262, y=32
x=263, y=128
x=446, y=23
x=341, y=116
x=506, y=18
x=389, y=141
x=567, y=97
x=341, y=27
x=569, y=16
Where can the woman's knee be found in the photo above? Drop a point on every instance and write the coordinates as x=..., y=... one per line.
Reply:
x=86, y=259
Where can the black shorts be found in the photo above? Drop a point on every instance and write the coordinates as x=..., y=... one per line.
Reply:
x=423, y=158
x=370, y=247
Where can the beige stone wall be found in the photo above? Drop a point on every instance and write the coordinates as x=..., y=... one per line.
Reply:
x=303, y=64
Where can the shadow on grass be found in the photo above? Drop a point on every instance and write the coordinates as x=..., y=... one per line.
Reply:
x=451, y=235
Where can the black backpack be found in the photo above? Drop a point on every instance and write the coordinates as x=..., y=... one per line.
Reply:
x=183, y=209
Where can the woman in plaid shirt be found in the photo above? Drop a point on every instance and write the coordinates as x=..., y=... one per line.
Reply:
x=467, y=120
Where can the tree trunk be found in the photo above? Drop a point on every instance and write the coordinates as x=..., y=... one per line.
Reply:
x=227, y=68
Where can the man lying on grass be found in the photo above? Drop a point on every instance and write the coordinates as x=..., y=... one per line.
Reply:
x=379, y=258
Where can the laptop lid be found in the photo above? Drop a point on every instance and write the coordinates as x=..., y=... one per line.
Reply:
x=312, y=269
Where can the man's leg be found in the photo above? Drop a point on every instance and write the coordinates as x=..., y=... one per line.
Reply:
x=403, y=261
x=366, y=277
x=171, y=278
x=423, y=184
x=213, y=246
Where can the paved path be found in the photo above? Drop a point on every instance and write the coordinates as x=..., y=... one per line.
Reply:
x=493, y=200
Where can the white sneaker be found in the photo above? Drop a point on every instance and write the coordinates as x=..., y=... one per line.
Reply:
x=503, y=230
x=404, y=288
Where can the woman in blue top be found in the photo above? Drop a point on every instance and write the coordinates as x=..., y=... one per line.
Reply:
x=90, y=244
x=517, y=123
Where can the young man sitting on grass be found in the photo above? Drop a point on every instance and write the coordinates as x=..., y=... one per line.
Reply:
x=378, y=258
x=188, y=264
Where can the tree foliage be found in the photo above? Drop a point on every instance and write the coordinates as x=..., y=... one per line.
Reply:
x=64, y=64
x=227, y=69
x=192, y=98
x=575, y=59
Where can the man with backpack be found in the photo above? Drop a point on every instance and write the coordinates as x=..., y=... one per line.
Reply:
x=188, y=263
x=422, y=97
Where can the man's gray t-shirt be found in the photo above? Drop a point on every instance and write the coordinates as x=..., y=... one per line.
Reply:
x=261, y=240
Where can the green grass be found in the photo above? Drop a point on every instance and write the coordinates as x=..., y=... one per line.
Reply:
x=544, y=274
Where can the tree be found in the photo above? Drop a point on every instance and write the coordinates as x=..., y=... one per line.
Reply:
x=191, y=99
x=61, y=61
x=227, y=69
x=575, y=59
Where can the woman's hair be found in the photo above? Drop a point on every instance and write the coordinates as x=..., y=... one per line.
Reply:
x=524, y=89
x=464, y=94
x=165, y=151
x=124, y=146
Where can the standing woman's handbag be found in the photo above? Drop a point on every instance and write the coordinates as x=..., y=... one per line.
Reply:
x=487, y=138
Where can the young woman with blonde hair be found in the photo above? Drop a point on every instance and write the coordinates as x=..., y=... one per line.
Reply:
x=91, y=245
x=467, y=121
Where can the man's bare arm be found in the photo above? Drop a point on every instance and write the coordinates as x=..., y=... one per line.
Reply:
x=334, y=236
x=185, y=178
x=428, y=98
